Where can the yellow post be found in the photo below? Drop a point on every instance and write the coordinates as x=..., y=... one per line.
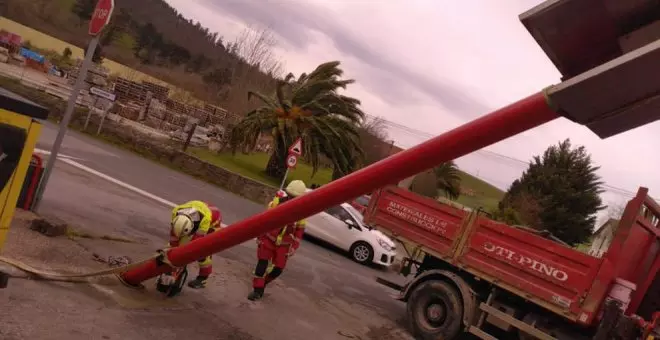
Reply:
x=16, y=114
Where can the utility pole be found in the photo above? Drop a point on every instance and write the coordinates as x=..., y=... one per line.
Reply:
x=100, y=20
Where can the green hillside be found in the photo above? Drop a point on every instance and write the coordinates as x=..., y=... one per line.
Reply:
x=485, y=194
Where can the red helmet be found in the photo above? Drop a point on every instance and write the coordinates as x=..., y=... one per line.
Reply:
x=216, y=216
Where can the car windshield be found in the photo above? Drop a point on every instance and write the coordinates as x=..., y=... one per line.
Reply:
x=356, y=214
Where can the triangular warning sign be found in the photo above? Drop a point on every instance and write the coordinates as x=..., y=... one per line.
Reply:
x=296, y=148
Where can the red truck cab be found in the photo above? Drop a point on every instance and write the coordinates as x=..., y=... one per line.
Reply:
x=484, y=272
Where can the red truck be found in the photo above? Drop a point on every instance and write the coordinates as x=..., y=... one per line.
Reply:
x=476, y=275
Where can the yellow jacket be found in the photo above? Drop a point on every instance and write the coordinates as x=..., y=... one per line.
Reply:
x=203, y=209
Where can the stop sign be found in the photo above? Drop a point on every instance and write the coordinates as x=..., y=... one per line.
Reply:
x=101, y=16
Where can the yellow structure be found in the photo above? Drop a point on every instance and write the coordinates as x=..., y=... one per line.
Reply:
x=19, y=132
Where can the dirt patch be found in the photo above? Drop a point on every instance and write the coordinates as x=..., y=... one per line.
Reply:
x=46, y=253
x=49, y=227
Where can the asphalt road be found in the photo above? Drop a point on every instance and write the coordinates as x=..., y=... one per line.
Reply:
x=147, y=175
x=103, y=208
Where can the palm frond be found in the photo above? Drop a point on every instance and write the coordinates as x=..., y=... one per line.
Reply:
x=328, y=125
x=289, y=77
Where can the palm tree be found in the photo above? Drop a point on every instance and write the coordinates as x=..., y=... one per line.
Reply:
x=309, y=107
x=448, y=179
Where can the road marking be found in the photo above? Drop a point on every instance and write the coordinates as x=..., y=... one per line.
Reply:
x=124, y=185
x=118, y=182
x=63, y=156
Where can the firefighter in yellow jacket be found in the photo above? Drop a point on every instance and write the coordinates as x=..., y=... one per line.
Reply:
x=191, y=221
x=278, y=245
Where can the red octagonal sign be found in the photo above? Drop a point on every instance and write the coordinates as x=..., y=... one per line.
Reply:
x=101, y=16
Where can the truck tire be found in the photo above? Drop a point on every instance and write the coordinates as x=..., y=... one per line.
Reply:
x=435, y=311
x=362, y=253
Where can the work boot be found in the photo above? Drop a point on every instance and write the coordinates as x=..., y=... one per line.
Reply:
x=257, y=294
x=198, y=283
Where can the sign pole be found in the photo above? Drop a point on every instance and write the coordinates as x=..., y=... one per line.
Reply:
x=295, y=151
x=89, y=114
x=105, y=113
x=80, y=81
x=284, y=179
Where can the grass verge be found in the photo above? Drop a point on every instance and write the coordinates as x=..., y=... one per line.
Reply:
x=253, y=166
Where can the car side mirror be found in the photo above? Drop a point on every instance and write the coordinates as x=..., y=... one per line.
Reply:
x=349, y=223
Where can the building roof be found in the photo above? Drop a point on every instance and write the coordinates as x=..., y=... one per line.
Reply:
x=609, y=225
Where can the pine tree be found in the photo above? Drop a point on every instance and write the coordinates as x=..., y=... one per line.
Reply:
x=559, y=192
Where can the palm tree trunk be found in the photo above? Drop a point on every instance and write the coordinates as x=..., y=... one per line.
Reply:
x=277, y=163
x=336, y=174
x=276, y=166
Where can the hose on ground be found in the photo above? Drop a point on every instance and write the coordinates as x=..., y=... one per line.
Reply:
x=81, y=277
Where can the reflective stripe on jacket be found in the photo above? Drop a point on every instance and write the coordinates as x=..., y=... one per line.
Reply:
x=288, y=235
x=203, y=209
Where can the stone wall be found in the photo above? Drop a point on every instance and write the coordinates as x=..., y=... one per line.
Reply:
x=171, y=155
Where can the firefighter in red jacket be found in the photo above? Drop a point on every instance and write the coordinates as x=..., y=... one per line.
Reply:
x=190, y=221
x=278, y=245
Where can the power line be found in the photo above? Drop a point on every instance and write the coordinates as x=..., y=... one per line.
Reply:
x=425, y=135
x=422, y=134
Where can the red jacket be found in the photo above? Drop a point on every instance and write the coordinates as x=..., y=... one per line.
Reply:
x=289, y=235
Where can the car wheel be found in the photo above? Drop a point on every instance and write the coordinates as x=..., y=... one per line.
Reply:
x=362, y=253
x=435, y=311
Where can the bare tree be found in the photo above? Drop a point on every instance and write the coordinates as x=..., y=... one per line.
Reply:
x=373, y=139
x=615, y=210
x=256, y=47
x=375, y=126
x=254, y=70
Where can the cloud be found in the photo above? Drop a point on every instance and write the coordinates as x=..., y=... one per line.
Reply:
x=434, y=65
x=295, y=23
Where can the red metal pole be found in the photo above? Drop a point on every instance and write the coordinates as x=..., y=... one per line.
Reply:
x=494, y=127
x=27, y=205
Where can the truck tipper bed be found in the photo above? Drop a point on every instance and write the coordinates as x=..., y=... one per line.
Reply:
x=511, y=274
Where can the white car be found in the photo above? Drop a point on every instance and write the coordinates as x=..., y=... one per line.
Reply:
x=343, y=226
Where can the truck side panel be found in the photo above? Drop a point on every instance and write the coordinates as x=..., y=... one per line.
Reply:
x=563, y=280
x=536, y=266
x=418, y=219
x=528, y=265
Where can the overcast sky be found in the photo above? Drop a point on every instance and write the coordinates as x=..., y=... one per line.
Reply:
x=433, y=65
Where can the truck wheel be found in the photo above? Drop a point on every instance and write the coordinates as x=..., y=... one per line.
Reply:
x=362, y=253
x=435, y=311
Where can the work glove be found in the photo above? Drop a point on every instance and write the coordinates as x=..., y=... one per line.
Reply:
x=167, y=279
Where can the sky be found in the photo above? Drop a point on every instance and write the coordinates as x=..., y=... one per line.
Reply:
x=432, y=65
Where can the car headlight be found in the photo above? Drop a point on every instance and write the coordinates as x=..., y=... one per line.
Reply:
x=384, y=244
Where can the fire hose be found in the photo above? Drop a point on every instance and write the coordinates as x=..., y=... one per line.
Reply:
x=161, y=256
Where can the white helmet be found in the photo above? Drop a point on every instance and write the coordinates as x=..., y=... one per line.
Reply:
x=296, y=188
x=182, y=225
